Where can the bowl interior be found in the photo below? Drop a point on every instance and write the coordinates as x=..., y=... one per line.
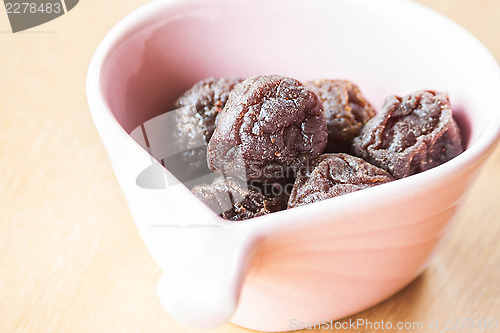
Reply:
x=384, y=46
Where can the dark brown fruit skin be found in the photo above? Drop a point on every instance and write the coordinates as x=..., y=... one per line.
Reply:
x=235, y=202
x=195, y=117
x=412, y=134
x=280, y=190
x=207, y=98
x=346, y=111
x=332, y=175
x=270, y=124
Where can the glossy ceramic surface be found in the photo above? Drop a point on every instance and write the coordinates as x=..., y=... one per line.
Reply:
x=316, y=262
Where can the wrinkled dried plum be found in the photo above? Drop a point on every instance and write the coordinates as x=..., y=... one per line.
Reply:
x=207, y=98
x=277, y=189
x=195, y=118
x=346, y=111
x=270, y=125
x=331, y=175
x=235, y=200
x=411, y=134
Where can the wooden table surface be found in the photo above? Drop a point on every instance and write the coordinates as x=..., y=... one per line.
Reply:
x=70, y=256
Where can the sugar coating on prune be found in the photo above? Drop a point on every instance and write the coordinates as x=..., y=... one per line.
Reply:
x=346, y=111
x=331, y=175
x=411, y=134
x=270, y=124
x=195, y=120
x=235, y=200
x=207, y=98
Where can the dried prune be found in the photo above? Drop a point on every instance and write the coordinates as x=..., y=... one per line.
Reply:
x=346, y=111
x=269, y=127
x=208, y=97
x=331, y=175
x=195, y=118
x=235, y=200
x=278, y=189
x=411, y=134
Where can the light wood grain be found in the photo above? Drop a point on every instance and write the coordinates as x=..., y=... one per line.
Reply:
x=71, y=259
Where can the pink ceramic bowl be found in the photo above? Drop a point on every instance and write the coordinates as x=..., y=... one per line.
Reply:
x=322, y=261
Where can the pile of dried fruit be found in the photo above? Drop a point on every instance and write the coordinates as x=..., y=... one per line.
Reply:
x=278, y=143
